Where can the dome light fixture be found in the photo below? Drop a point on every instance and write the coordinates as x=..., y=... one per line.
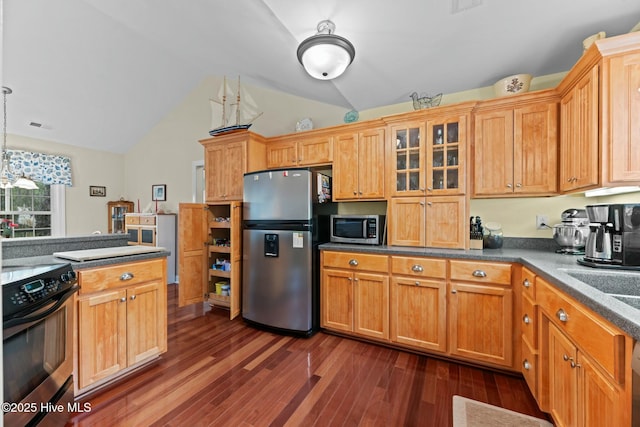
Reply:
x=325, y=55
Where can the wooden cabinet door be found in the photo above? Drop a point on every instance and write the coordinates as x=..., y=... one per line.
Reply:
x=579, y=112
x=336, y=300
x=563, y=383
x=493, y=158
x=102, y=336
x=371, y=164
x=446, y=224
x=601, y=403
x=146, y=321
x=345, y=167
x=408, y=221
x=315, y=151
x=214, y=161
x=192, y=253
x=418, y=313
x=408, y=172
x=236, y=259
x=481, y=323
x=621, y=155
x=234, y=168
x=281, y=154
x=371, y=305
x=535, y=148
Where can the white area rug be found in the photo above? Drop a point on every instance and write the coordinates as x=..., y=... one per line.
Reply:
x=471, y=413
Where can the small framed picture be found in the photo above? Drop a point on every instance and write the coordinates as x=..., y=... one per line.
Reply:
x=97, y=191
x=159, y=192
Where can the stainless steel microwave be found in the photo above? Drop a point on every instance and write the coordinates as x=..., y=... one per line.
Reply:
x=361, y=229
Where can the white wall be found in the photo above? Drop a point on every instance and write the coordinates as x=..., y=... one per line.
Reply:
x=166, y=153
x=85, y=214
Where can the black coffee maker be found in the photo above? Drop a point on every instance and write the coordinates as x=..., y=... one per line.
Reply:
x=615, y=235
x=625, y=234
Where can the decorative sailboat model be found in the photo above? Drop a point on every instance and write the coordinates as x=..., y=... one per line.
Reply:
x=232, y=111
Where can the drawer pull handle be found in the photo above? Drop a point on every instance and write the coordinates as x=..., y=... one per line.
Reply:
x=453, y=291
x=562, y=315
x=417, y=268
x=526, y=283
x=417, y=283
x=133, y=297
x=123, y=299
x=526, y=365
x=353, y=262
x=526, y=319
x=479, y=273
x=565, y=358
x=126, y=276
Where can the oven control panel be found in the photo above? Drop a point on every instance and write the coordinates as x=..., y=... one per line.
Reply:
x=35, y=290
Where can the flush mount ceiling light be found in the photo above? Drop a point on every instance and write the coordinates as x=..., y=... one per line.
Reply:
x=6, y=174
x=325, y=55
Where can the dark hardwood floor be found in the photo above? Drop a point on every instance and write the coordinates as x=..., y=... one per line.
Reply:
x=224, y=373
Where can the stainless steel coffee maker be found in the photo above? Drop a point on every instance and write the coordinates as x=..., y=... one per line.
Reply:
x=598, y=247
x=614, y=238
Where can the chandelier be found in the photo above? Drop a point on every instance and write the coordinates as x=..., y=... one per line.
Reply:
x=6, y=173
x=325, y=55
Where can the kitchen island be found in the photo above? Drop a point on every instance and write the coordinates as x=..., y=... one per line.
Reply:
x=120, y=311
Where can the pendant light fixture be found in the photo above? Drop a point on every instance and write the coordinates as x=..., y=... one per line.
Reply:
x=6, y=174
x=325, y=55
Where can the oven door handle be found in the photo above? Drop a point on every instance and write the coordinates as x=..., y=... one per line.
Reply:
x=61, y=299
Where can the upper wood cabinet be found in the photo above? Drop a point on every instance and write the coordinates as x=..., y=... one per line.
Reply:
x=299, y=150
x=515, y=146
x=226, y=159
x=579, y=136
x=621, y=119
x=438, y=222
x=428, y=151
x=599, y=116
x=358, y=166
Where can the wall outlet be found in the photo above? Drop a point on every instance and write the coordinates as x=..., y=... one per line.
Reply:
x=542, y=222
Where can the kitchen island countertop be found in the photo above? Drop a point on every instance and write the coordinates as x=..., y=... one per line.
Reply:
x=549, y=265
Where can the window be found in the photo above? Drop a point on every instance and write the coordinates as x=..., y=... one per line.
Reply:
x=31, y=210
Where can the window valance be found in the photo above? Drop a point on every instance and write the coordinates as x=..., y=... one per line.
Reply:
x=45, y=168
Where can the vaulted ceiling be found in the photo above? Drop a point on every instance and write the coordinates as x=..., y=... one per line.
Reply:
x=102, y=73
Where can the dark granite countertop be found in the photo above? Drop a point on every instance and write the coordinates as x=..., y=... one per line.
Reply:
x=33, y=251
x=50, y=259
x=553, y=267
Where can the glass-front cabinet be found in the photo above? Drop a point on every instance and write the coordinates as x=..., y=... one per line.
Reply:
x=408, y=159
x=445, y=155
x=117, y=209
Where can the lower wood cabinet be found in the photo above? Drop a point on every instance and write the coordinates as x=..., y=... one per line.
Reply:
x=355, y=294
x=481, y=311
x=122, y=320
x=585, y=364
x=419, y=303
x=473, y=321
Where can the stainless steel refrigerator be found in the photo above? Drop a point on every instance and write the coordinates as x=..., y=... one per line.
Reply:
x=285, y=218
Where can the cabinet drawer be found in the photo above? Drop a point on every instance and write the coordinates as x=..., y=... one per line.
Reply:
x=594, y=335
x=114, y=276
x=485, y=272
x=132, y=219
x=356, y=261
x=419, y=267
x=529, y=367
x=528, y=283
x=147, y=220
x=529, y=323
